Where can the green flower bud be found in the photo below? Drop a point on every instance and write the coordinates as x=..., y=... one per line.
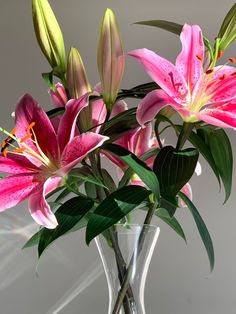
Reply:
x=110, y=58
x=49, y=35
x=77, y=82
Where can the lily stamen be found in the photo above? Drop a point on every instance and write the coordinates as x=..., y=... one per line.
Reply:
x=30, y=126
x=19, y=150
x=25, y=138
x=5, y=152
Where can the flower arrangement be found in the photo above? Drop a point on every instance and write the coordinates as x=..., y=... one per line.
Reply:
x=57, y=154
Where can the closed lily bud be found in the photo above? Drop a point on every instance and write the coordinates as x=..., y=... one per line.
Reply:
x=77, y=82
x=110, y=58
x=49, y=35
x=227, y=33
x=58, y=95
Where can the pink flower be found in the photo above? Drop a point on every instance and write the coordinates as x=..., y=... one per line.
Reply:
x=42, y=158
x=194, y=93
x=139, y=141
x=58, y=95
x=93, y=115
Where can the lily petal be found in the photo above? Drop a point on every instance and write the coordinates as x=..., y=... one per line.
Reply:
x=38, y=206
x=221, y=115
x=28, y=111
x=67, y=126
x=198, y=169
x=189, y=61
x=152, y=103
x=163, y=72
x=99, y=112
x=222, y=90
x=141, y=140
x=16, y=188
x=78, y=148
x=187, y=190
x=16, y=164
x=119, y=106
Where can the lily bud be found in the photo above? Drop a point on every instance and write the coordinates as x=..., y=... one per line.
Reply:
x=49, y=35
x=58, y=95
x=110, y=58
x=227, y=31
x=77, y=82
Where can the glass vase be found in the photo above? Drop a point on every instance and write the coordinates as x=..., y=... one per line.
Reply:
x=126, y=252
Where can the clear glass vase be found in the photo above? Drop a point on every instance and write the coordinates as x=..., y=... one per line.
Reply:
x=126, y=253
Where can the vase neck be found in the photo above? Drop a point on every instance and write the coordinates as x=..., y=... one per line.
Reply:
x=126, y=254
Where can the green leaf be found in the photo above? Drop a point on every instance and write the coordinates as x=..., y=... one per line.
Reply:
x=84, y=174
x=170, y=203
x=34, y=240
x=164, y=215
x=139, y=167
x=62, y=195
x=205, y=151
x=227, y=32
x=128, y=173
x=68, y=215
x=55, y=112
x=174, y=169
x=116, y=206
x=220, y=148
x=90, y=190
x=121, y=124
x=108, y=180
x=206, y=238
x=48, y=79
x=166, y=25
x=169, y=26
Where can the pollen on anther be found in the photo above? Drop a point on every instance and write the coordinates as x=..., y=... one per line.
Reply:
x=199, y=57
x=220, y=53
x=5, y=152
x=13, y=131
x=25, y=138
x=209, y=71
x=223, y=77
x=30, y=126
x=232, y=60
x=4, y=143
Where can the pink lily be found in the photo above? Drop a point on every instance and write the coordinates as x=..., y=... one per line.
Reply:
x=58, y=95
x=41, y=158
x=139, y=142
x=197, y=95
x=93, y=115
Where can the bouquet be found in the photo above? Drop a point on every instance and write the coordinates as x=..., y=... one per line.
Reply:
x=54, y=158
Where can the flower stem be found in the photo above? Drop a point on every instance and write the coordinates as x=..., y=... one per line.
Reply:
x=121, y=265
x=184, y=135
x=129, y=271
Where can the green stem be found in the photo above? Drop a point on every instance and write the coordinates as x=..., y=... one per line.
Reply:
x=184, y=135
x=121, y=265
x=129, y=271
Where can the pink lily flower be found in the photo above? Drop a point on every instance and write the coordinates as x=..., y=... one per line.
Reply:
x=93, y=115
x=139, y=142
x=196, y=94
x=58, y=95
x=41, y=158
